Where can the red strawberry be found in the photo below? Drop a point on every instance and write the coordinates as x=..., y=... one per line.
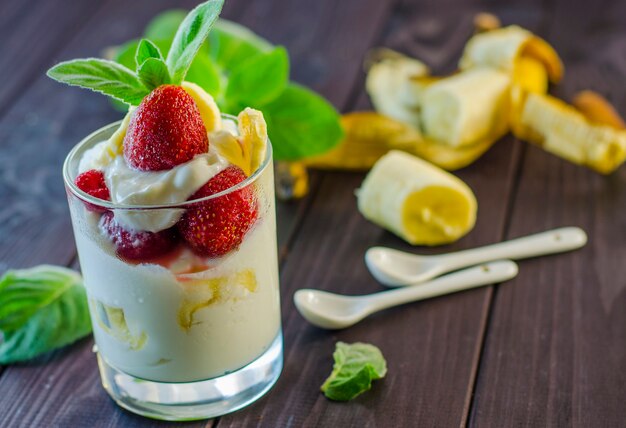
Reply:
x=165, y=130
x=215, y=227
x=92, y=183
x=137, y=245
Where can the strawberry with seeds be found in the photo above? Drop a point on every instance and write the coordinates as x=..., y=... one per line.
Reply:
x=215, y=227
x=166, y=130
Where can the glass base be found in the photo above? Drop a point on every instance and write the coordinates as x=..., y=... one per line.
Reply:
x=195, y=400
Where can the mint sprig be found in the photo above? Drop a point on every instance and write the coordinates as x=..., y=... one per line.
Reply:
x=41, y=309
x=106, y=77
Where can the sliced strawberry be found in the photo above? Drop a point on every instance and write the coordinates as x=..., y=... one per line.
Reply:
x=137, y=245
x=92, y=182
x=217, y=226
x=165, y=130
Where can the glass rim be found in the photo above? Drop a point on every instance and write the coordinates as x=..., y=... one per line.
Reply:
x=69, y=182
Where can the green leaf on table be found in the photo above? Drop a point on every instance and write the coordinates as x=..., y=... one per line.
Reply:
x=41, y=309
x=165, y=24
x=153, y=73
x=145, y=50
x=106, y=77
x=259, y=79
x=356, y=366
x=301, y=123
x=190, y=36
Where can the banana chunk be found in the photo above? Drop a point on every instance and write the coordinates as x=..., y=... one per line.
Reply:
x=467, y=107
x=417, y=201
x=562, y=130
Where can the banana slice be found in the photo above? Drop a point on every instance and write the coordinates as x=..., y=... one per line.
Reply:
x=253, y=135
x=503, y=47
x=562, y=130
x=395, y=85
x=209, y=111
x=417, y=201
x=467, y=107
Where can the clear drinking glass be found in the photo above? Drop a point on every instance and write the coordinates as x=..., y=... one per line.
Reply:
x=178, y=339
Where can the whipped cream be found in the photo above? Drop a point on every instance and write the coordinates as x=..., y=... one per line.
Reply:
x=133, y=187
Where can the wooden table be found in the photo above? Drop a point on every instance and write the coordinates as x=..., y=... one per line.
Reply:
x=546, y=349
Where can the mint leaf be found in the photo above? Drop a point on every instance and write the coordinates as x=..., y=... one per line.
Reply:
x=356, y=365
x=106, y=77
x=259, y=79
x=191, y=34
x=153, y=73
x=146, y=49
x=301, y=123
x=165, y=24
x=41, y=309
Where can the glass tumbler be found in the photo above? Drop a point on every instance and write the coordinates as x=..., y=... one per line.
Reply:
x=181, y=337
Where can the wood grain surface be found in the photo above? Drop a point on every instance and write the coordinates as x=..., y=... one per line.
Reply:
x=546, y=349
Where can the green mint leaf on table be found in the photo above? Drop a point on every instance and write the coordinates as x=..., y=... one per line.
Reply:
x=107, y=77
x=190, y=36
x=145, y=50
x=41, y=309
x=301, y=123
x=356, y=365
x=260, y=78
x=165, y=24
x=153, y=73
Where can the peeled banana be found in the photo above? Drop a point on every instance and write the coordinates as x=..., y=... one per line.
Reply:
x=467, y=107
x=417, y=201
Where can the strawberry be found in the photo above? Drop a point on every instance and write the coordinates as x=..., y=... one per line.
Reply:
x=92, y=183
x=137, y=245
x=165, y=130
x=213, y=228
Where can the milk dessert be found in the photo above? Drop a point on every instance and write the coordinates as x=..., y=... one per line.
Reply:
x=180, y=317
x=174, y=221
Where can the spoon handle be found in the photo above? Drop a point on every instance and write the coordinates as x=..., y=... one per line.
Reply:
x=473, y=277
x=549, y=242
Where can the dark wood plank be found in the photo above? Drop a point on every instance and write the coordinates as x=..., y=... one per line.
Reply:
x=556, y=350
x=32, y=33
x=432, y=348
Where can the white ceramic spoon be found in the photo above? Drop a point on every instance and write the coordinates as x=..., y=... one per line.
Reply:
x=395, y=268
x=334, y=311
